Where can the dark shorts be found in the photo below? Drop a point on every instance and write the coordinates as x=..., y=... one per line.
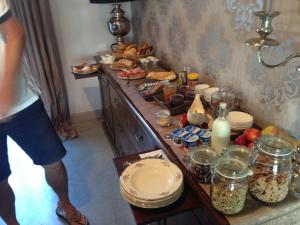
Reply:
x=32, y=130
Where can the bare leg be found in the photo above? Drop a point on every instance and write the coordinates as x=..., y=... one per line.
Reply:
x=57, y=178
x=7, y=204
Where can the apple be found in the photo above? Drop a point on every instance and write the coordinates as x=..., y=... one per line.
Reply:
x=252, y=134
x=250, y=145
x=241, y=140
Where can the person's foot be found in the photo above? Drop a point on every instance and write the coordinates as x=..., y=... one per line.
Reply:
x=71, y=215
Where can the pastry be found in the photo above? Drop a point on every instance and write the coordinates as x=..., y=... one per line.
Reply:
x=122, y=64
x=162, y=75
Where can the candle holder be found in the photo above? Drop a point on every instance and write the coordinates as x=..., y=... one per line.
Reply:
x=264, y=42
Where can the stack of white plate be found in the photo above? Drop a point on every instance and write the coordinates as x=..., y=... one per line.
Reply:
x=200, y=88
x=239, y=120
x=208, y=92
x=151, y=183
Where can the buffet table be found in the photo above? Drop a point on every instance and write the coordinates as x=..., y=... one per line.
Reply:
x=128, y=99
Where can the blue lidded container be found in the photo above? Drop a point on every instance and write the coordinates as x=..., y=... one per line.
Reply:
x=190, y=140
x=192, y=129
x=177, y=136
x=204, y=136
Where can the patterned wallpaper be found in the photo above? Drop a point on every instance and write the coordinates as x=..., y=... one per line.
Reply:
x=210, y=35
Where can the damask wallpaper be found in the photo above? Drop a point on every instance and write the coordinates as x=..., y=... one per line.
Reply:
x=210, y=35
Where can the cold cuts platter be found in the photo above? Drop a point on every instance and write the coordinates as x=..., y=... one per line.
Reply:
x=132, y=74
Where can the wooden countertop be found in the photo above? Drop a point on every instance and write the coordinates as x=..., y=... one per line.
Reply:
x=254, y=211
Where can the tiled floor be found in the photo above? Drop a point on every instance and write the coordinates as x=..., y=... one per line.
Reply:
x=92, y=178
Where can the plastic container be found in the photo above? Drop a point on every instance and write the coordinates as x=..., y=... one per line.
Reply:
x=229, y=185
x=272, y=169
x=177, y=136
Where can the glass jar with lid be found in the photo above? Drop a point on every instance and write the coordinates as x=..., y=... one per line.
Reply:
x=240, y=152
x=229, y=185
x=295, y=181
x=272, y=168
x=202, y=158
x=223, y=95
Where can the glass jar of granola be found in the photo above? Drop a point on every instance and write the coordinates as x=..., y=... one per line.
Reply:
x=272, y=169
x=229, y=185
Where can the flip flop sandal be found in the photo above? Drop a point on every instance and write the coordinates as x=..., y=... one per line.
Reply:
x=79, y=220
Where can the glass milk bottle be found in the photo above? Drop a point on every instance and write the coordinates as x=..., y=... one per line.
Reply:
x=220, y=138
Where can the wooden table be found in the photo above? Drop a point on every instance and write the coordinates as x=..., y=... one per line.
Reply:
x=144, y=216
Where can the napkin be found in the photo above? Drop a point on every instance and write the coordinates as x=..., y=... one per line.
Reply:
x=153, y=154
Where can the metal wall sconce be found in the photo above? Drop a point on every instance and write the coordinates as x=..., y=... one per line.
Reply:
x=264, y=42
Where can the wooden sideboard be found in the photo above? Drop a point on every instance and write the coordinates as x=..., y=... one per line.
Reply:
x=126, y=131
x=130, y=124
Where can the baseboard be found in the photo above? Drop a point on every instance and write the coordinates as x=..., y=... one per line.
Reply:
x=86, y=116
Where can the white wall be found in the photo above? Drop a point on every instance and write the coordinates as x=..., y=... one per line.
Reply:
x=81, y=31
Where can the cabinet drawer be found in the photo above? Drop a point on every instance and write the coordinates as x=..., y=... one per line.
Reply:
x=138, y=136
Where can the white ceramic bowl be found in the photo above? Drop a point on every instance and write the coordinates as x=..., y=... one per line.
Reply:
x=200, y=88
x=208, y=92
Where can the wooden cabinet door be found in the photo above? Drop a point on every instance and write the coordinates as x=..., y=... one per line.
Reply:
x=120, y=112
x=106, y=105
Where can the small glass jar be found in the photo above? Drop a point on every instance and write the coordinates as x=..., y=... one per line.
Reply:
x=240, y=152
x=163, y=118
x=168, y=91
x=272, y=169
x=202, y=158
x=295, y=181
x=229, y=185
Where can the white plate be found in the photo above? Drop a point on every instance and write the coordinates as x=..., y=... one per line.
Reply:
x=149, y=205
x=154, y=201
x=239, y=117
x=151, y=179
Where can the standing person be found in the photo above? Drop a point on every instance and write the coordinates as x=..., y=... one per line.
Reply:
x=23, y=118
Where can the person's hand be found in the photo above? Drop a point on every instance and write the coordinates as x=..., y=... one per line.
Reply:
x=7, y=99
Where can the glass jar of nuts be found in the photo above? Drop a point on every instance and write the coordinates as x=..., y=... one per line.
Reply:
x=229, y=185
x=272, y=169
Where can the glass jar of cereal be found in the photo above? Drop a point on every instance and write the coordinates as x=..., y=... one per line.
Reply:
x=272, y=169
x=229, y=185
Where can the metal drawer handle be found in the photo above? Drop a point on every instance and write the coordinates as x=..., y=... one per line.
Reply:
x=139, y=139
